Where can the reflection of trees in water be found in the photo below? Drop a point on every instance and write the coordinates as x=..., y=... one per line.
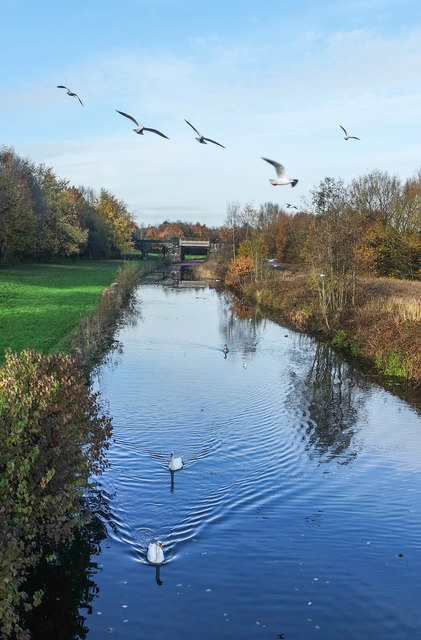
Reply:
x=240, y=325
x=334, y=406
x=68, y=583
x=110, y=356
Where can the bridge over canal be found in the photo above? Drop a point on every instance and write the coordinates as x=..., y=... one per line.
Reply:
x=175, y=249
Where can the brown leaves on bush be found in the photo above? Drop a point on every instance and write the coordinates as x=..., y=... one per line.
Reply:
x=239, y=268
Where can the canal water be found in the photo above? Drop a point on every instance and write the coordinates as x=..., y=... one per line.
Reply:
x=297, y=513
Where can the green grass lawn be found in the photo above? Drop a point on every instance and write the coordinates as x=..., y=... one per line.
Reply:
x=42, y=304
x=192, y=256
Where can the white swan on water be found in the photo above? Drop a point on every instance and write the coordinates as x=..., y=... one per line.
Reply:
x=155, y=553
x=175, y=463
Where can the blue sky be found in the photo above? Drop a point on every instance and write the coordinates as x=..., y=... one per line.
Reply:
x=264, y=78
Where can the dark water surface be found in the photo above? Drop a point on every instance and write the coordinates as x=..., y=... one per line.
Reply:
x=298, y=511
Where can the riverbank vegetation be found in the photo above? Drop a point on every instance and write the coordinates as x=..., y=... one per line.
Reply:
x=350, y=270
x=95, y=333
x=53, y=438
x=53, y=433
x=382, y=327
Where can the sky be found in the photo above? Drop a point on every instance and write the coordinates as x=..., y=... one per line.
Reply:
x=263, y=78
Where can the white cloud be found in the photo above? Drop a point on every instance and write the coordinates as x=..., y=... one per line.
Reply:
x=283, y=100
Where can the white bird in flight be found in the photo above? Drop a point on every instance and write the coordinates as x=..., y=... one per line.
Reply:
x=347, y=137
x=290, y=206
x=280, y=172
x=201, y=138
x=70, y=93
x=140, y=128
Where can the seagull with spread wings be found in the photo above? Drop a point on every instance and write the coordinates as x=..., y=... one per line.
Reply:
x=291, y=206
x=280, y=172
x=201, y=138
x=70, y=93
x=140, y=128
x=347, y=137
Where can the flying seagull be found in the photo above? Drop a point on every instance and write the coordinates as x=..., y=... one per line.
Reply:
x=140, y=128
x=347, y=137
x=291, y=206
x=70, y=93
x=280, y=172
x=201, y=138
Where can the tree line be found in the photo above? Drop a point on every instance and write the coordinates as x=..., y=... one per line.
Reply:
x=370, y=226
x=43, y=216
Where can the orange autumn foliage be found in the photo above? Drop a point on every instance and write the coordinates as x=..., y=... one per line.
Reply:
x=239, y=268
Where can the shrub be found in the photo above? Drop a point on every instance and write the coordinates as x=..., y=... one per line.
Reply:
x=342, y=342
x=95, y=333
x=393, y=364
x=238, y=269
x=52, y=439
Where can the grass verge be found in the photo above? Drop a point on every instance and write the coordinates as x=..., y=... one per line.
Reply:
x=41, y=305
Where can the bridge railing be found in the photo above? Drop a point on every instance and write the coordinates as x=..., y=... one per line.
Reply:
x=194, y=241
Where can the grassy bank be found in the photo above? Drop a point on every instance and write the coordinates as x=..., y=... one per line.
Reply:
x=382, y=327
x=53, y=433
x=41, y=305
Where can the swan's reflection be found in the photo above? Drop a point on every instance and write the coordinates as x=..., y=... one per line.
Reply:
x=172, y=481
x=157, y=575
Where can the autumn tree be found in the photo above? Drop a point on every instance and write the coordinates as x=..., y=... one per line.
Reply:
x=97, y=243
x=240, y=268
x=171, y=230
x=333, y=245
x=375, y=195
x=257, y=250
x=329, y=196
x=199, y=230
x=17, y=220
x=117, y=220
x=296, y=237
x=393, y=210
x=59, y=231
x=268, y=211
x=232, y=223
x=249, y=219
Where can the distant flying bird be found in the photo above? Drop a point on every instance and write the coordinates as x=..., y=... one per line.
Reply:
x=291, y=206
x=280, y=172
x=140, y=128
x=201, y=138
x=70, y=93
x=347, y=137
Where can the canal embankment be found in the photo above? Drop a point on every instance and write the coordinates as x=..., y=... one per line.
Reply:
x=53, y=432
x=380, y=324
